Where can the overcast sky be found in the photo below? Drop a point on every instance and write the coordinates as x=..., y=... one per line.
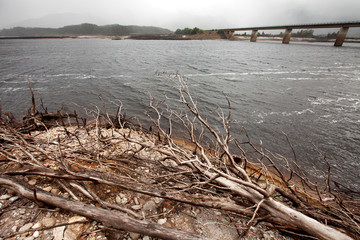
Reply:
x=173, y=14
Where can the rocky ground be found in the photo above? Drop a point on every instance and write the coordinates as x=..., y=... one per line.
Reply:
x=21, y=218
x=24, y=219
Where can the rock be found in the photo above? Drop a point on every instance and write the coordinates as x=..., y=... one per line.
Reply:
x=124, y=200
x=55, y=191
x=157, y=200
x=48, y=222
x=121, y=195
x=32, y=182
x=146, y=238
x=118, y=199
x=58, y=233
x=77, y=219
x=47, y=189
x=36, y=225
x=106, y=153
x=5, y=197
x=36, y=234
x=149, y=207
x=74, y=231
x=26, y=227
x=13, y=199
x=167, y=224
x=136, y=207
x=134, y=236
x=47, y=235
x=162, y=221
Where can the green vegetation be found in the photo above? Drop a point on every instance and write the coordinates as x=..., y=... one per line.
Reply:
x=84, y=29
x=189, y=31
x=304, y=34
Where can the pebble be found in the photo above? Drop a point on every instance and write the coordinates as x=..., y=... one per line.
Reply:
x=25, y=227
x=36, y=234
x=146, y=238
x=48, y=222
x=134, y=236
x=106, y=153
x=55, y=191
x=121, y=195
x=47, y=189
x=118, y=199
x=136, y=207
x=32, y=182
x=149, y=206
x=5, y=197
x=58, y=233
x=167, y=224
x=13, y=199
x=157, y=200
x=162, y=221
x=36, y=225
x=77, y=219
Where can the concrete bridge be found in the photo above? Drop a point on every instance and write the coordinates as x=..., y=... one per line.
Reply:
x=344, y=28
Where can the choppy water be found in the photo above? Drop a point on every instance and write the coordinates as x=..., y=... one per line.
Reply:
x=309, y=91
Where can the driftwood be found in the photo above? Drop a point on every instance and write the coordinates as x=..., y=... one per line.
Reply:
x=115, y=220
x=111, y=151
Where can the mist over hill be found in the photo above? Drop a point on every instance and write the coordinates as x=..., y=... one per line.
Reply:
x=83, y=29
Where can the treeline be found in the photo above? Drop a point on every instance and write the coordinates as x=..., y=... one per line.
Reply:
x=189, y=31
x=84, y=29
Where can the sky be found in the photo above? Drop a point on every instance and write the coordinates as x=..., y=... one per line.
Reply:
x=173, y=14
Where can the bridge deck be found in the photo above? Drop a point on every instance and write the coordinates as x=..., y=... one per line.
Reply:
x=300, y=26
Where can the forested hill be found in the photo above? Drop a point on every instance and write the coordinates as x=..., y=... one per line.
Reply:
x=83, y=29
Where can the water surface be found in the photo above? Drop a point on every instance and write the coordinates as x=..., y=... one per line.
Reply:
x=311, y=92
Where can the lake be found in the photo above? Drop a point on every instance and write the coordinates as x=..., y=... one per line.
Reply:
x=310, y=91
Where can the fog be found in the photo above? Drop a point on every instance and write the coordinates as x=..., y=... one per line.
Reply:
x=205, y=14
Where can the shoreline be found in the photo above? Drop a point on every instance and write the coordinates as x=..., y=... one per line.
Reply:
x=205, y=36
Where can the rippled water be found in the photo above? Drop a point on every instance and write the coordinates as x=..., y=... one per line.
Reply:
x=311, y=92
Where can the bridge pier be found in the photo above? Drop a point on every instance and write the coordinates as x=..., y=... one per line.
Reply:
x=287, y=36
x=229, y=34
x=341, y=36
x=254, y=35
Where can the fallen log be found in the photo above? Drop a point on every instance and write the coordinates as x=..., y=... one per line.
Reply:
x=109, y=218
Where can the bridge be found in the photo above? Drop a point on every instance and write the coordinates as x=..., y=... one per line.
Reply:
x=344, y=28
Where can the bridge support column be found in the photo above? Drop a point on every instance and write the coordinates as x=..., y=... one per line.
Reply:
x=254, y=35
x=341, y=36
x=287, y=36
x=231, y=35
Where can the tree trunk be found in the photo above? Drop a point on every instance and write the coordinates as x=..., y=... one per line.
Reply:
x=109, y=218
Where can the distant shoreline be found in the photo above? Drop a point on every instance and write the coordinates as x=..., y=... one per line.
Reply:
x=174, y=37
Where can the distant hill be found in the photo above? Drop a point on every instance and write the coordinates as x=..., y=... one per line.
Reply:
x=83, y=29
x=58, y=20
